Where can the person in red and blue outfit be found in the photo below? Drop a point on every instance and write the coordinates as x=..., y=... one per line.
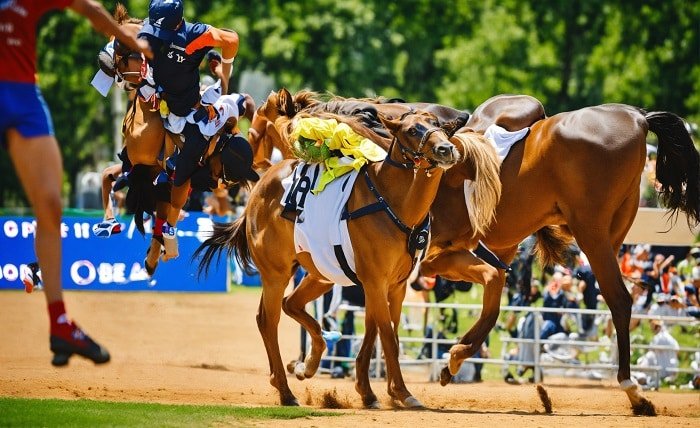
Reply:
x=178, y=49
x=26, y=131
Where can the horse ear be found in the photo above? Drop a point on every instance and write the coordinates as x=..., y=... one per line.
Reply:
x=390, y=123
x=286, y=102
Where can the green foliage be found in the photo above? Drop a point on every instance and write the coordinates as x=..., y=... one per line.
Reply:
x=85, y=413
x=568, y=54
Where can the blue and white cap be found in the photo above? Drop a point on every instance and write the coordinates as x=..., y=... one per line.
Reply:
x=163, y=18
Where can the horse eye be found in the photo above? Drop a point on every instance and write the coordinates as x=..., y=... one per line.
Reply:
x=412, y=132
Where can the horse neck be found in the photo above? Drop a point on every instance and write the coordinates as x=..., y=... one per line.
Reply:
x=409, y=192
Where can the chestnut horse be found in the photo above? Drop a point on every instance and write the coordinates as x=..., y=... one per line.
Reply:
x=575, y=176
x=407, y=183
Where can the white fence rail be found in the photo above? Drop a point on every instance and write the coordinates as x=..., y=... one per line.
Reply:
x=436, y=362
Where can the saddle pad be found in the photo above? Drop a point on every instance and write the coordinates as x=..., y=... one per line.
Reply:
x=318, y=227
x=502, y=140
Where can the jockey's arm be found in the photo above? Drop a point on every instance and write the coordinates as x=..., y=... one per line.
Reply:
x=103, y=22
x=227, y=40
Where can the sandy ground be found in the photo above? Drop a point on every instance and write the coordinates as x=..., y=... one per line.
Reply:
x=205, y=349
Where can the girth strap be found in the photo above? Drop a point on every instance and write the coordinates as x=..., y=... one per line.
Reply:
x=380, y=205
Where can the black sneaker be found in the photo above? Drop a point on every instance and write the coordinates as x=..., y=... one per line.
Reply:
x=81, y=344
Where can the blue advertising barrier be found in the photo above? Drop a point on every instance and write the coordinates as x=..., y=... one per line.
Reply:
x=115, y=263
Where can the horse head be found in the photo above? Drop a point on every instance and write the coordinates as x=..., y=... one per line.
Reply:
x=419, y=138
x=125, y=63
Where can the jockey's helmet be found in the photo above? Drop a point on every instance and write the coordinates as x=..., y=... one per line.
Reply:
x=164, y=17
x=237, y=160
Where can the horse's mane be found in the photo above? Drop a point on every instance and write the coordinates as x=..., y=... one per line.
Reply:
x=121, y=15
x=487, y=183
x=305, y=99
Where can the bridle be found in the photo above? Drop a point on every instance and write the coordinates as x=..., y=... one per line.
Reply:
x=414, y=158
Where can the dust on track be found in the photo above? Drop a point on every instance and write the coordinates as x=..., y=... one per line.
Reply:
x=206, y=349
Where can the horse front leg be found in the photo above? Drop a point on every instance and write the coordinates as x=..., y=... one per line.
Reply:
x=377, y=308
x=308, y=290
x=397, y=293
x=364, y=356
x=465, y=266
x=268, y=318
x=178, y=197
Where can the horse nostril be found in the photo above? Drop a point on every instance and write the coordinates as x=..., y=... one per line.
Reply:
x=443, y=150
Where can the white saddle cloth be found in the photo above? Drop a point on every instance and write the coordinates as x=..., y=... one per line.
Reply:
x=318, y=228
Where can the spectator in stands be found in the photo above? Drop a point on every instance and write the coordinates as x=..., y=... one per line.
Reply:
x=554, y=297
x=684, y=268
x=692, y=298
x=664, y=358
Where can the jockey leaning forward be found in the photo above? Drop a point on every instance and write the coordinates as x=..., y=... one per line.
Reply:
x=179, y=47
x=26, y=131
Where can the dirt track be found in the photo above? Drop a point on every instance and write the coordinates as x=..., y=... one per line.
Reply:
x=205, y=349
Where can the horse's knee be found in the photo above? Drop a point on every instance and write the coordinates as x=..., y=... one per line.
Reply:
x=285, y=306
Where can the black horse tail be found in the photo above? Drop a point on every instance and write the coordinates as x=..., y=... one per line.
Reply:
x=141, y=196
x=229, y=237
x=677, y=166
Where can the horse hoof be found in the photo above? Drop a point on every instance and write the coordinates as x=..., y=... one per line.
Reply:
x=291, y=366
x=644, y=408
x=299, y=370
x=640, y=405
x=445, y=376
x=291, y=402
x=412, y=403
x=374, y=405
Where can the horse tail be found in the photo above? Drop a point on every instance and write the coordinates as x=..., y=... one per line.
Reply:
x=229, y=237
x=141, y=196
x=486, y=191
x=552, y=245
x=677, y=166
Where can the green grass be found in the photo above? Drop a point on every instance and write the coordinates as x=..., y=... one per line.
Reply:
x=20, y=412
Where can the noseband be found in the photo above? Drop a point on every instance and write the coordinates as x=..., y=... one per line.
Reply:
x=413, y=157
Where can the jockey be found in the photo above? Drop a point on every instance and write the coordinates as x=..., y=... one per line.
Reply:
x=26, y=131
x=179, y=48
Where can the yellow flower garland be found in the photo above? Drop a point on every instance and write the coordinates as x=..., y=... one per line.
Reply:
x=356, y=150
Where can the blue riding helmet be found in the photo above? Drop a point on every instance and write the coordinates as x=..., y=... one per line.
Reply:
x=164, y=16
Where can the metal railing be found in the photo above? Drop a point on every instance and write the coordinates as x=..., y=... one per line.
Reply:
x=436, y=362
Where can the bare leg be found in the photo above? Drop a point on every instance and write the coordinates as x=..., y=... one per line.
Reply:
x=44, y=193
x=178, y=198
x=108, y=176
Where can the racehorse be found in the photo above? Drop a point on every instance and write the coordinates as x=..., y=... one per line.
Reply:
x=575, y=176
x=404, y=184
x=149, y=145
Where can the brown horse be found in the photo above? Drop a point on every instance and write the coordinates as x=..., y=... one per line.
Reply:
x=407, y=183
x=576, y=175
